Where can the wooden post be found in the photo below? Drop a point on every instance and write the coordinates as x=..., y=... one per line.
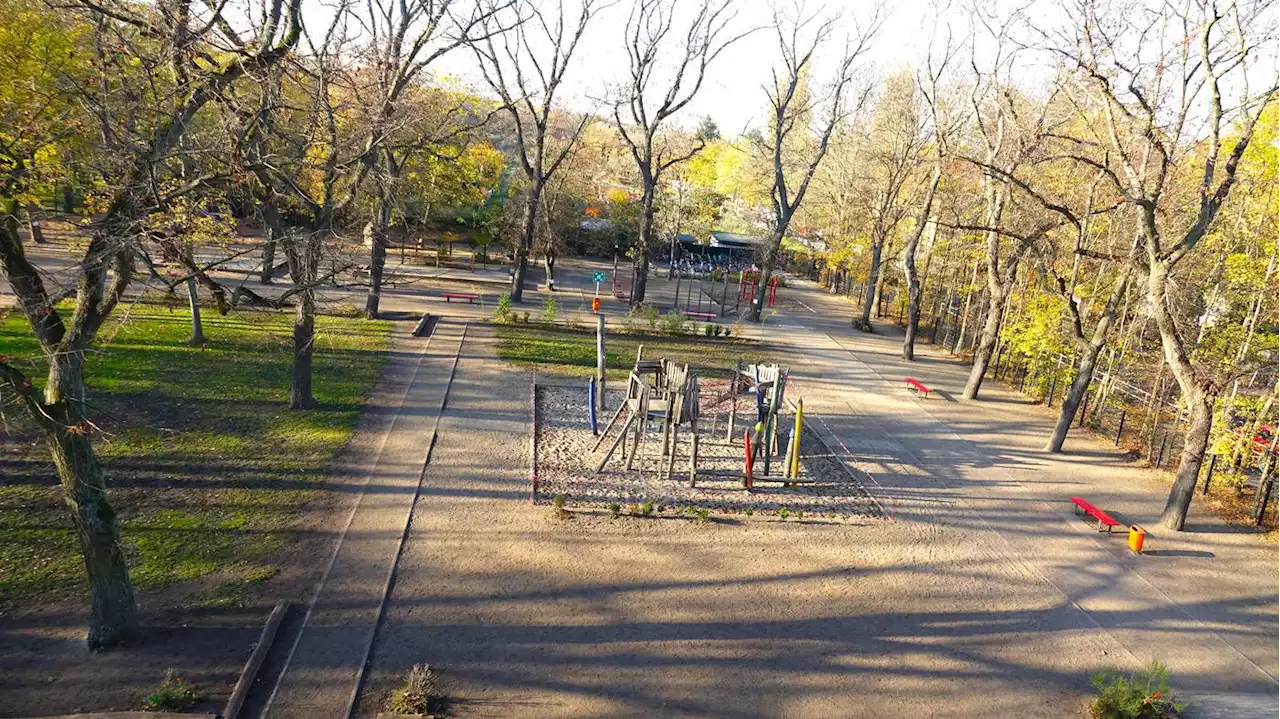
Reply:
x=635, y=443
x=259, y=655
x=1164, y=438
x=1120, y=429
x=767, y=441
x=609, y=426
x=675, y=444
x=1265, y=495
x=600, y=361
x=1213, y=462
x=617, y=441
x=693, y=462
x=794, y=467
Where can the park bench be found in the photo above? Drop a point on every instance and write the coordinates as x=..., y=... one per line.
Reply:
x=451, y=296
x=916, y=387
x=703, y=315
x=1104, y=519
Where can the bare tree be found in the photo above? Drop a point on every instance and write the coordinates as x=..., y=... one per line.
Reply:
x=526, y=67
x=892, y=154
x=181, y=79
x=942, y=125
x=649, y=101
x=1160, y=79
x=1012, y=131
x=310, y=159
x=404, y=38
x=795, y=153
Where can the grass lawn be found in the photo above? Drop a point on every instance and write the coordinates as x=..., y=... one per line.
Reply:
x=572, y=352
x=207, y=465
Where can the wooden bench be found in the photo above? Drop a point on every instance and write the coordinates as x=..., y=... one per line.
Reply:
x=916, y=387
x=451, y=296
x=1104, y=519
x=703, y=315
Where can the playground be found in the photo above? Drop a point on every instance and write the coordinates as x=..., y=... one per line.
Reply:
x=705, y=464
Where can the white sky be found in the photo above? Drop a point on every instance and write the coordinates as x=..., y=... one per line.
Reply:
x=733, y=93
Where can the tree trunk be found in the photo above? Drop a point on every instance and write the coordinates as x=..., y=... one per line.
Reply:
x=1198, y=397
x=113, y=612
x=304, y=329
x=271, y=221
x=646, y=240
x=913, y=312
x=756, y=313
x=304, y=261
x=986, y=344
x=266, y=272
x=1087, y=365
x=376, y=235
x=1195, y=443
x=873, y=283
x=909, y=263
x=1085, y=369
x=33, y=223
x=526, y=243
x=197, y=328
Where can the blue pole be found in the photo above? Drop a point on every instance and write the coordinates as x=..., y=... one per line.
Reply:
x=591, y=405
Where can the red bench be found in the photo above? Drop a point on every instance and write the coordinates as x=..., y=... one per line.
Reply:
x=1104, y=519
x=703, y=315
x=451, y=296
x=916, y=387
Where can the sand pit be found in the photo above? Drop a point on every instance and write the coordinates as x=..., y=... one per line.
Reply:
x=567, y=463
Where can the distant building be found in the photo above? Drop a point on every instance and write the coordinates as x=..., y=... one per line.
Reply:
x=720, y=247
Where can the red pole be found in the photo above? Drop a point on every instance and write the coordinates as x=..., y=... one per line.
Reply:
x=773, y=290
x=746, y=440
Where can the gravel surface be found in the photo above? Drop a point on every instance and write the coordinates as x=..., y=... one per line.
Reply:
x=566, y=463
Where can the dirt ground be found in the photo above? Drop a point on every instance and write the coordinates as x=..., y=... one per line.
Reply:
x=524, y=614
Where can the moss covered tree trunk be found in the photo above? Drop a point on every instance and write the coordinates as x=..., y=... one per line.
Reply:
x=113, y=611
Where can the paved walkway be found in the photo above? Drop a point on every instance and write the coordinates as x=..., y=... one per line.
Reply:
x=324, y=668
x=1204, y=601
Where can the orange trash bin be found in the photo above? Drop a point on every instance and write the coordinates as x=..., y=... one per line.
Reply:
x=1136, y=537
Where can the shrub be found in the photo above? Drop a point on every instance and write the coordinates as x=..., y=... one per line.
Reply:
x=784, y=513
x=503, y=311
x=418, y=695
x=706, y=330
x=549, y=310
x=642, y=314
x=672, y=323
x=615, y=509
x=174, y=694
x=699, y=513
x=1145, y=694
x=526, y=318
x=646, y=509
x=557, y=507
x=748, y=511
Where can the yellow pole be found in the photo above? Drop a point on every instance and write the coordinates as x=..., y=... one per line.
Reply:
x=794, y=469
